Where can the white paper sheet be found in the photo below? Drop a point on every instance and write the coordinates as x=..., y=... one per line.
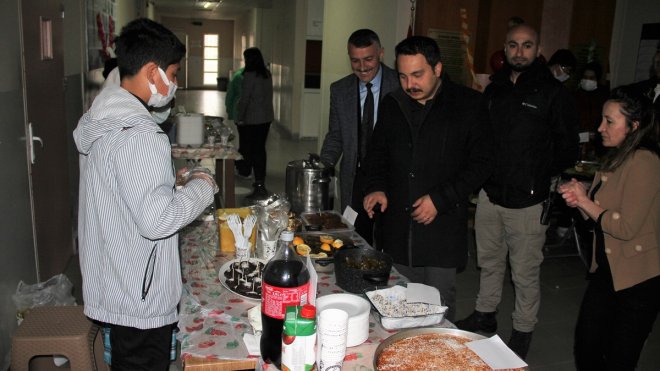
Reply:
x=420, y=293
x=254, y=317
x=252, y=344
x=495, y=353
x=584, y=137
x=350, y=215
x=313, y=280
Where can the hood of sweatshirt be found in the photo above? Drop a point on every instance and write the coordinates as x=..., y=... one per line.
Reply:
x=113, y=110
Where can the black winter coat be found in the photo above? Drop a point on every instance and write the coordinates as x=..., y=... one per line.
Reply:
x=448, y=159
x=535, y=135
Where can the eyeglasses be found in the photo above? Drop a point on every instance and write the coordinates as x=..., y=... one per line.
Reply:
x=567, y=70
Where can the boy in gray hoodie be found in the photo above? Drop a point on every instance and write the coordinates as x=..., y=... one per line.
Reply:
x=129, y=208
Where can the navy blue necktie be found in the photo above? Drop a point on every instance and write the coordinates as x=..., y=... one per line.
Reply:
x=367, y=125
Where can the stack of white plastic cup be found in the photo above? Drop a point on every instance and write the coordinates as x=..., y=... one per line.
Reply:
x=243, y=250
x=331, y=343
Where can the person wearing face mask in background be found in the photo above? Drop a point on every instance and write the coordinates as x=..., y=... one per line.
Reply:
x=129, y=207
x=590, y=96
x=562, y=64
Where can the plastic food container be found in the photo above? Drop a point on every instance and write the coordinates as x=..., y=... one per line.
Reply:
x=313, y=240
x=227, y=243
x=190, y=129
x=395, y=313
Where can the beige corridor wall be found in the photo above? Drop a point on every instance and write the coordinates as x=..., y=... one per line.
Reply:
x=628, y=20
x=388, y=18
x=195, y=32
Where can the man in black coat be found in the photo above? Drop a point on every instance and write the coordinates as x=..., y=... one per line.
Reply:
x=429, y=151
x=534, y=123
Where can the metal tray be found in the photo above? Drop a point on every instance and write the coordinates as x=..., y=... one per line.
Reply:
x=421, y=331
x=308, y=226
x=326, y=265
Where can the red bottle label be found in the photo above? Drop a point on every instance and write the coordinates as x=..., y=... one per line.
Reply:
x=274, y=300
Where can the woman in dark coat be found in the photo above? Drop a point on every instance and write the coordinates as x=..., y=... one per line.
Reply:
x=255, y=113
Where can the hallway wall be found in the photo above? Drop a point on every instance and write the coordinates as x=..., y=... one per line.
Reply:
x=627, y=28
x=195, y=32
x=284, y=25
x=388, y=18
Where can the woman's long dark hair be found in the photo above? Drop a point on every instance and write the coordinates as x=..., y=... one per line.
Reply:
x=637, y=109
x=254, y=61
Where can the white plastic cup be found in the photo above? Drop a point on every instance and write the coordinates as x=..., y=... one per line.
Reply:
x=243, y=251
x=224, y=139
x=267, y=249
x=331, y=345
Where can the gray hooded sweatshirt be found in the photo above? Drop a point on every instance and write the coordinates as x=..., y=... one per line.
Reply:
x=129, y=214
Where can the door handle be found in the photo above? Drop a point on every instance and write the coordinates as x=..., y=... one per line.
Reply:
x=31, y=139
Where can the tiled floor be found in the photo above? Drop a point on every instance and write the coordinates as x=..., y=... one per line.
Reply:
x=562, y=278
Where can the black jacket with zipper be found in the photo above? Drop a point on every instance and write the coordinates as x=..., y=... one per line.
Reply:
x=447, y=157
x=535, y=135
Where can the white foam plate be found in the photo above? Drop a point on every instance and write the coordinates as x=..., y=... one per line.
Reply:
x=358, y=314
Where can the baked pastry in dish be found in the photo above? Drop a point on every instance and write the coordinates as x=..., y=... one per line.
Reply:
x=430, y=352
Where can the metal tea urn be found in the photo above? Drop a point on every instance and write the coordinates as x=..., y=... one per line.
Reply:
x=309, y=185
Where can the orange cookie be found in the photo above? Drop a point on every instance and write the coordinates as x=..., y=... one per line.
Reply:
x=324, y=238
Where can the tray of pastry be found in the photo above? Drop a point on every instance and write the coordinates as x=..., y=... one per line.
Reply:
x=325, y=221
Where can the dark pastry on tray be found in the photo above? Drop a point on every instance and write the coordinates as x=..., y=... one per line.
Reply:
x=326, y=220
x=244, y=278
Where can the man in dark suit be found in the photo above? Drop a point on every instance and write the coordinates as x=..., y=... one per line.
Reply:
x=430, y=150
x=351, y=125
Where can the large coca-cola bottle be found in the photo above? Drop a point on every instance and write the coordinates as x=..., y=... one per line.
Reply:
x=285, y=283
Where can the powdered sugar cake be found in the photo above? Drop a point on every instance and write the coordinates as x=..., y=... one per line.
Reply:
x=429, y=349
x=430, y=352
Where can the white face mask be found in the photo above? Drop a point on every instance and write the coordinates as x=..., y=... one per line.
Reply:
x=157, y=99
x=160, y=116
x=588, y=85
x=561, y=76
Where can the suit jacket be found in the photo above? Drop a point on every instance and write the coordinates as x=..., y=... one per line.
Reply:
x=342, y=137
x=631, y=222
x=447, y=157
x=255, y=105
